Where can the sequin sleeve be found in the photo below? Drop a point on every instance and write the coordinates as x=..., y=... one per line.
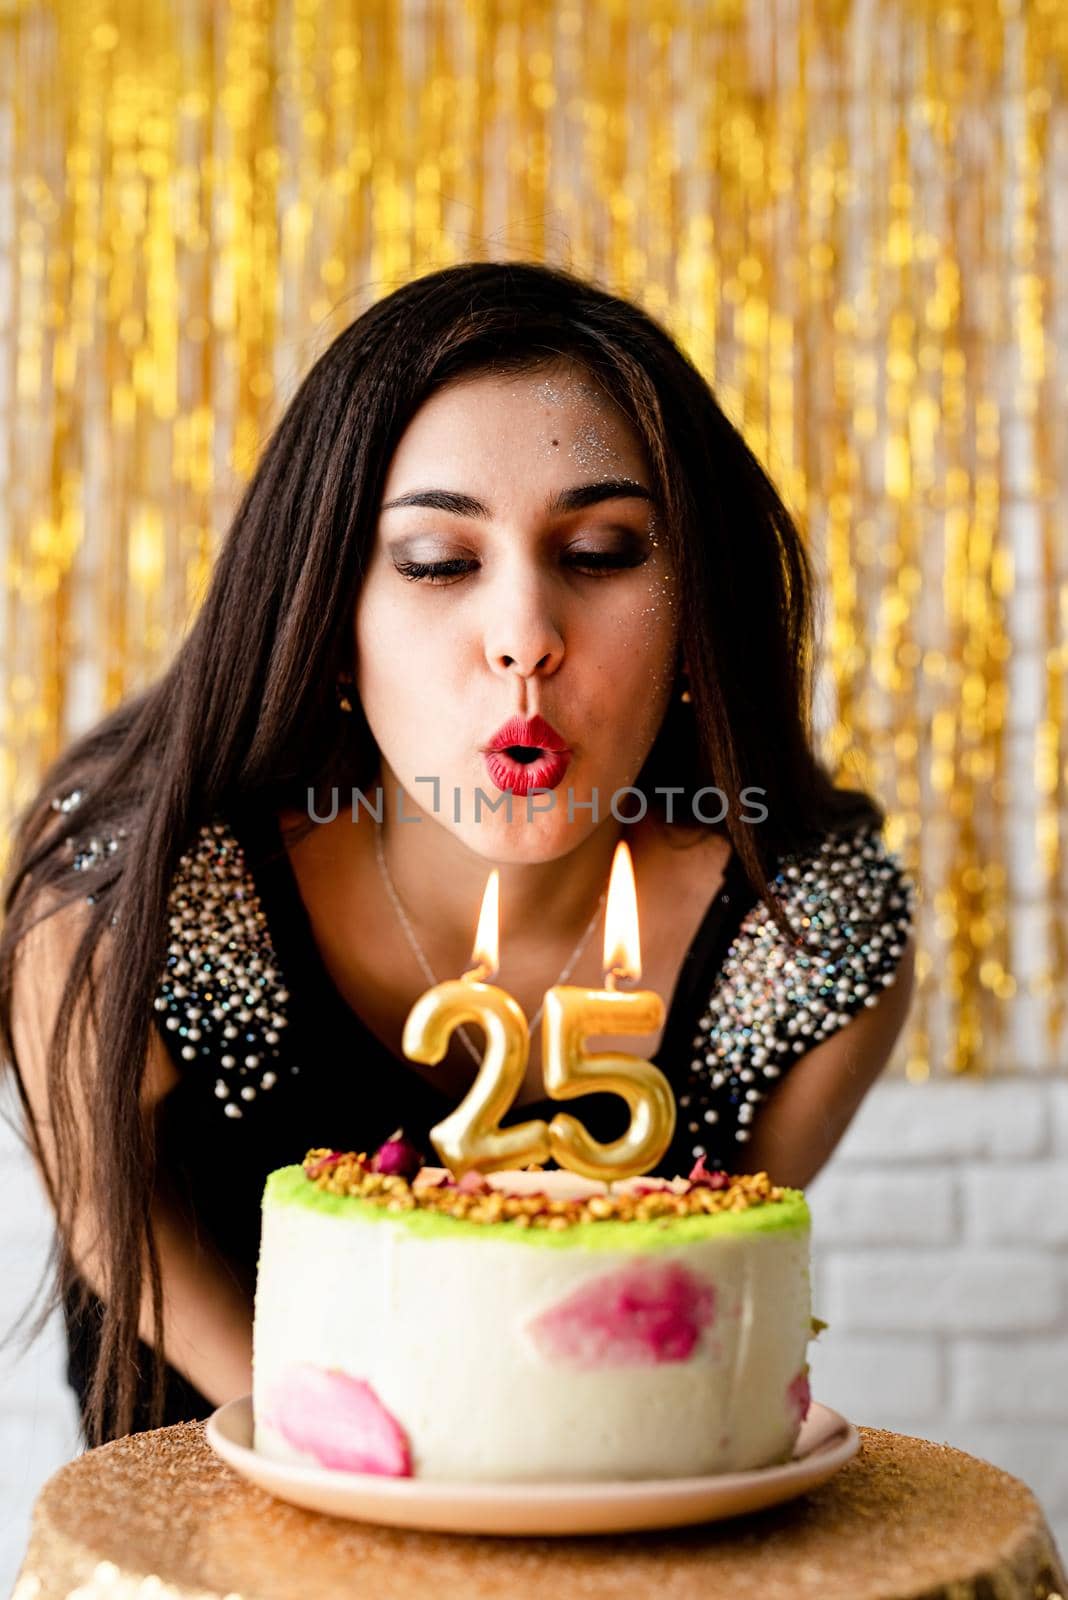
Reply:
x=851, y=905
x=220, y=1002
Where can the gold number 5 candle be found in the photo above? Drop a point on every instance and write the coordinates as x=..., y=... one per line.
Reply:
x=572, y=1014
x=470, y=1136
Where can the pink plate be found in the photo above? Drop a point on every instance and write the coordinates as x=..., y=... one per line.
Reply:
x=826, y=1442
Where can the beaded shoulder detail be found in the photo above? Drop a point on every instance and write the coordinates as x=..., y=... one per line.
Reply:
x=852, y=907
x=221, y=990
x=220, y=993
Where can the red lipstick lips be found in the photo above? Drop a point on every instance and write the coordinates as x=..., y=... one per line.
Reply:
x=526, y=753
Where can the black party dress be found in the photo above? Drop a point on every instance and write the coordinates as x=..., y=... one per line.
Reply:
x=273, y=1062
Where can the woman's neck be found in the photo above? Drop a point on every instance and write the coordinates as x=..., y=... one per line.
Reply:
x=440, y=880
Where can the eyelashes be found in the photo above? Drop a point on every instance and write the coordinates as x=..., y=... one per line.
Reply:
x=598, y=563
x=434, y=571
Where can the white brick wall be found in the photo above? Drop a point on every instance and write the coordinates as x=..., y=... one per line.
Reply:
x=940, y=1262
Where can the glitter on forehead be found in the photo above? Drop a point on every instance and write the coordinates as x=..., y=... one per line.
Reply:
x=548, y=392
x=559, y=392
x=591, y=447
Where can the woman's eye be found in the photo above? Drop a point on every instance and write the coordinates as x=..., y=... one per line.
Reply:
x=435, y=571
x=606, y=560
x=590, y=561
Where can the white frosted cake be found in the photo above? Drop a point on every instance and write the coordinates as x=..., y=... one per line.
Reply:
x=529, y=1325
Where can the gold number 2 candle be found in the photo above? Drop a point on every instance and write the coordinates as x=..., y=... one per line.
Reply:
x=470, y=1136
x=572, y=1014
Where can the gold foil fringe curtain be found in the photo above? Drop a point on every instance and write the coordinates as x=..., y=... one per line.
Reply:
x=851, y=215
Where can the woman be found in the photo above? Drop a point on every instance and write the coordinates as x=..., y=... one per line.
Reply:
x=504, y=549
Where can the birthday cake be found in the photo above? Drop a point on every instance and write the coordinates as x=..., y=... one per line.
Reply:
x=528, y=1325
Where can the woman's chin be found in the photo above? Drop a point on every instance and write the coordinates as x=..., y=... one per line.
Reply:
x=523, y=843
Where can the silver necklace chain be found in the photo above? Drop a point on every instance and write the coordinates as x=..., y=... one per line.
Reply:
x=424, y=964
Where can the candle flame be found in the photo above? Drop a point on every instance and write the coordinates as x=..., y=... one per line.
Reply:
x=622, y=945
x=485, y=952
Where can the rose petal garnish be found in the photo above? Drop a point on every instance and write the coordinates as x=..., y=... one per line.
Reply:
x=701, y=1178
x=398, y=1157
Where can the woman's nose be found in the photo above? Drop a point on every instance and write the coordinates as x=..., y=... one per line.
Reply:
x=522, y=637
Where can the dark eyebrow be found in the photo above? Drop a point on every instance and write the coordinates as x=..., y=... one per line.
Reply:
x=577, y=499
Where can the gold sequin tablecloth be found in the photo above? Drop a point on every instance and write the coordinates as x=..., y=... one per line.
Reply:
x=159, y=1515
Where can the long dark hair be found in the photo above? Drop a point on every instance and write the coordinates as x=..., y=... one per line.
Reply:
x=246, y=713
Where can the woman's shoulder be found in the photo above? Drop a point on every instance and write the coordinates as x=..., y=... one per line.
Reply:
x=850, y=905
x=212, y=872
x=221, y=994
x=845, y=862
x=220, y=1000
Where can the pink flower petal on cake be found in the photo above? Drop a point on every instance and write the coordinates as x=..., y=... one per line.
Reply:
x=340, y=1421
x=398, y=1157
x=637, y=1316
x=702, y=1178
x=799, y=1395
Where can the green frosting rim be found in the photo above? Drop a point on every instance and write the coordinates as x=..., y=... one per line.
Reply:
x=288, y=1186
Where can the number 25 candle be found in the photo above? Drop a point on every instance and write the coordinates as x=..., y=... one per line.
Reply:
x=572, y=1014
x=471, y=1136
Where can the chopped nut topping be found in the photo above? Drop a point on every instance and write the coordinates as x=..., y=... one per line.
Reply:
x=352, y=1174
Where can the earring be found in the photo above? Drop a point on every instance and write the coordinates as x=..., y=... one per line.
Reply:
x=342, y=687
x=686, y=697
